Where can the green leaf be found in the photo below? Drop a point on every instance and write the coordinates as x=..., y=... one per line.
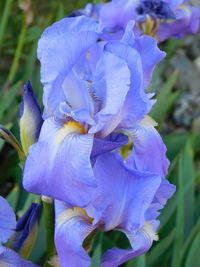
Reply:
x=189, y=184
x=158, y=250
x=97, y=251
x=185, y=202
x=96, y=258
x=137, y=262
x=172, y=45
x=165, y=100
x=175, y=144
x=191, y=237
x=8, y=98
x=13, y=197
x=31, y=198
x=40, y=244
x=5, y=19
x=193, y=255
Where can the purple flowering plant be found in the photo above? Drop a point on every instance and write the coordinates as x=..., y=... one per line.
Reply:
x=93, y=156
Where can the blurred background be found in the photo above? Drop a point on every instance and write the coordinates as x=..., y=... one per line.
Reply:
x=176, y=82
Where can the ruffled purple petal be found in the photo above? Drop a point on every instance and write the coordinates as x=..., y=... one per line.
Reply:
x=111, y=87
x=59, y=49
x=116, y=14
x=58, y=165
x=149, y=151
x=187, y=22
x=116, y=182
x=150, y=55
x=164, y=192
x=136, y=104
x=140, y=241
x=7, y=220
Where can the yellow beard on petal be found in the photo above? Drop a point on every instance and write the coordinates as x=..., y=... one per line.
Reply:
x=69, y=128
x=74, y=126
x=149, y=232
x=150, y=26
x=68, y=214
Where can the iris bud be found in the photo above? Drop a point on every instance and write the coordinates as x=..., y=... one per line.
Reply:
x=30, y=118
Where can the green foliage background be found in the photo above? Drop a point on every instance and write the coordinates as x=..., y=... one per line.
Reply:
x=179, y=231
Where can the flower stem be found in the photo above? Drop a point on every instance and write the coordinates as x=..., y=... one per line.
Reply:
x=49, y=222
x=18, y=52
x=4, y=20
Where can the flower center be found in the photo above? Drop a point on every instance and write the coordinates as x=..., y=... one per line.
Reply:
x=68, y=129
x=154, y=8
x=74, y=127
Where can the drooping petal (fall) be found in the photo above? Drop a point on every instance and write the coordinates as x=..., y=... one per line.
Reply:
x=140, y=241
x=149, y=151
x=115, y=182
x=58, y=165
x=72, y=227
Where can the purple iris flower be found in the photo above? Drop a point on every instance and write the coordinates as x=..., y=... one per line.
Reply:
x=92, y=89
x=8, y=224
x=127, y=200
x=159, y=18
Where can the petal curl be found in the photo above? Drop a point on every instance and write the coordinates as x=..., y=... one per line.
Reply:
x=140, y=241
x=58, y=165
